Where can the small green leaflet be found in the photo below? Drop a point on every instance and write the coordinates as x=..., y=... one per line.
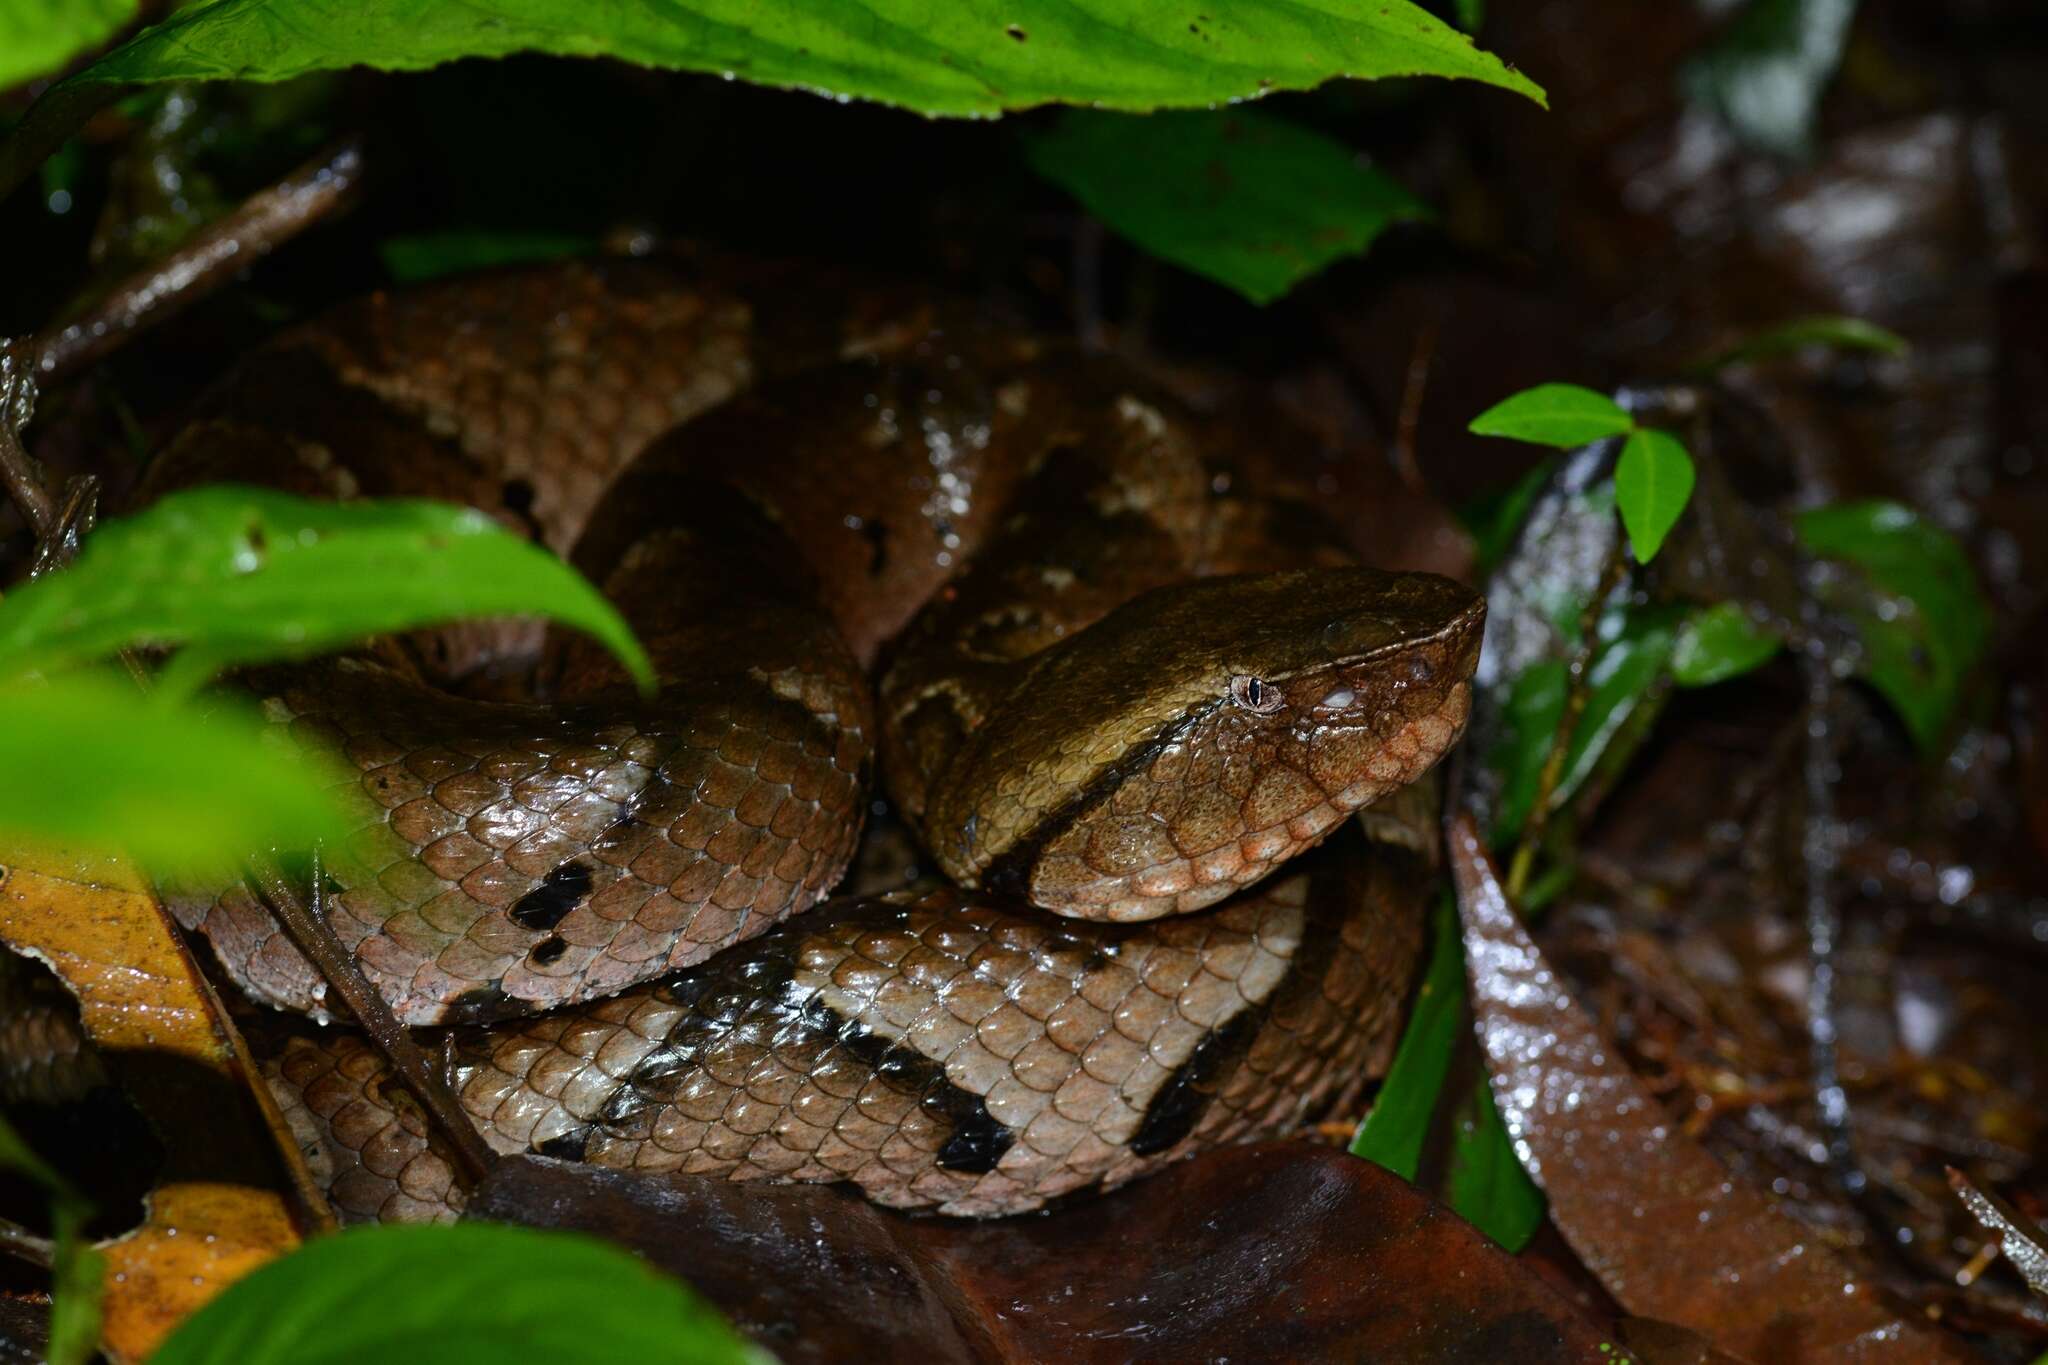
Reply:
x=1561, y=415
x=944, y=57
x=37, y=37
x=1718, y=643
x=1821, y=330
x=1251, y=201
x=466, y=1294
x=1652, y=484
x=1398, y=1123
x=186, y=793
x=240, y=574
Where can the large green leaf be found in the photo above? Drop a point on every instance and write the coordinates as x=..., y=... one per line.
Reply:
x=93, y=763
x=1718, y=643
x=1931, y=626
x=240, y=574
x=1251, y=201
x=1398, y=1124
x=956, y=57
x=1829, y=330
x=39, y=36
x=472, y=1293
x=1486, y=1183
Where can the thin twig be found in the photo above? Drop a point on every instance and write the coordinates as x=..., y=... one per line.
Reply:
x=17, y=404
x=57, y=113
x=307, y=924
x=18, y=1242
x=264, y=220
x=1413, y=386
x=1578, y=691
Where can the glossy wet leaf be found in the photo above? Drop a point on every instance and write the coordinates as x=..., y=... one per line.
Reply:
x=1765, y=72
x=178, y=790
x=1718, y=643
x=1249, y=200
x=76, y=1270
x=473, y=1292
x=934, y=56
x=1280, y=1251
x=432, y=255
x=2023, y=1241
x=241, y=574
x=1652, y=483
x=37, y=37
x=1930, y=625
x=1561, y=415
x=1828, y=330
x=1494, y=521
x=1666, y=1228
x=1486, y=1183
x=1398, y=1124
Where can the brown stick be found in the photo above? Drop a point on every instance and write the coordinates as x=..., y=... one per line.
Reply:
x=307, y=924
x=17, y=471
x=266, y=219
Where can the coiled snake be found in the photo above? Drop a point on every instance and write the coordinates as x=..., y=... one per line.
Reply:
x=1118, y=679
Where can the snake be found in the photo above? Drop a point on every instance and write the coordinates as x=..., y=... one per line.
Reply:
x=1117, y=673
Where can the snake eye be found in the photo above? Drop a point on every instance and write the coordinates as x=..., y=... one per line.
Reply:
x=1259, y=698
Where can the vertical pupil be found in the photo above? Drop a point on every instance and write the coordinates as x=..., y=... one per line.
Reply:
x=1252, y=690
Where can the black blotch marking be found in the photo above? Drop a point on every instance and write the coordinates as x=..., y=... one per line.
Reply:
x=558, y=893
x=549, y=949
x=478, y=1005
x=977, y=1142
x=1017, y=31
x=565, y=1146
x=1178, y=1104
x=518, y=496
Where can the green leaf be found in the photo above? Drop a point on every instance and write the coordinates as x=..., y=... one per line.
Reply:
x=1765, y=73
x=1248, y=200
x=38, y=37
x=1395, y=1129
x=1561, y=415
x=1718, y=643
x=1486, y=1184
x=432, y=255
x=1652, y=484
x=183, y=792
x=1636, y=646
x=1822, y=329
x=453, y=1295
x=245, y=574
x=1931, y=626
x=953, y=57
x=77, y=1272
x=1496, y=519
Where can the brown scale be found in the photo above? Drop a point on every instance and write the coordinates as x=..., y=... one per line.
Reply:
x=1115, y=684
x=936, y=1051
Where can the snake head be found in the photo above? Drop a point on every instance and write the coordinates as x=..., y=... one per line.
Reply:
x=1197, y=737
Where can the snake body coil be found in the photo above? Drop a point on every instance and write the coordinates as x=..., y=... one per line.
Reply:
x=1119, y=679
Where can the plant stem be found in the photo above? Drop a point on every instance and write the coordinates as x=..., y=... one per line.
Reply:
x=272, y=216
x=17, y=471
x=1578, y=691
x=306, y=922
x=18, y=1242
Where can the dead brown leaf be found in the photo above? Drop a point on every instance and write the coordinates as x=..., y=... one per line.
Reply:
x=1656, y=1218
x=1284, y=1251
x=228, y=1200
